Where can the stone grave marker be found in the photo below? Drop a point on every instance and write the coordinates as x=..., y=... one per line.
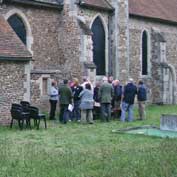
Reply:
x=168, y=122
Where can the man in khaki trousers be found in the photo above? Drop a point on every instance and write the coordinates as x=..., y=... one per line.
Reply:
x=142, y=97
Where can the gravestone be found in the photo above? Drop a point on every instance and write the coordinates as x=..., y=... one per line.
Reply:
x=168, y=122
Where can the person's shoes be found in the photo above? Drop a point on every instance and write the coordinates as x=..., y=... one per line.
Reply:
x=52, y=118
x=78, y=121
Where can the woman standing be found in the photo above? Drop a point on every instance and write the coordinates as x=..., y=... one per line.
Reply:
x=86, y=105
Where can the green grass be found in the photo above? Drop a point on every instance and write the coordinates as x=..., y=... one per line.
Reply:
x=75, y=150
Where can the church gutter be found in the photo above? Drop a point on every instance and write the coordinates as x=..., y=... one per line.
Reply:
x=40, y=4
x=5, y=58
x=169, y=22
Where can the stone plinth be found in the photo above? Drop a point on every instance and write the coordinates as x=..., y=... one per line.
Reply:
x=168, y=122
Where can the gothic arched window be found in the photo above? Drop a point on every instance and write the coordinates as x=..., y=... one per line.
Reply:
x=98, y=39
x=18, y=26
x=144, y=53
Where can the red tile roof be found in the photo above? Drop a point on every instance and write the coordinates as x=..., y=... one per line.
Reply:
x=100, y=4
x=11, y=47
x=157, y=9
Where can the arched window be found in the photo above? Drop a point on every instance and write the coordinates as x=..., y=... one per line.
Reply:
x=98, y=39
x=144, y=53
x=18, y=26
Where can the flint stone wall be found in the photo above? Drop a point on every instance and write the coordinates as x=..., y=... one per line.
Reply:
x=55, y=44
x=152, y=80
x=12, y=79
x=86, y=40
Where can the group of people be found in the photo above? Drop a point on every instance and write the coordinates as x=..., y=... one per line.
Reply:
x=80, y=97
x=81, y=102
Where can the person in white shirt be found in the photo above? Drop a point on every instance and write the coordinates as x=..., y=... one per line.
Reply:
x=86, y=81
x=53, y=100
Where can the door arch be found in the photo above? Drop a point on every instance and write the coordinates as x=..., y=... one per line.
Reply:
x=98, y=39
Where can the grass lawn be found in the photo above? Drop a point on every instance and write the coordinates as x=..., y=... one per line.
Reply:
x=75, y=150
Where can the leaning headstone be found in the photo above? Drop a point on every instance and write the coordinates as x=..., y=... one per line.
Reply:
x=168, y=122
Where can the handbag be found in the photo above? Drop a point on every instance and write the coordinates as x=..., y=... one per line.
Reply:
x=70, y=107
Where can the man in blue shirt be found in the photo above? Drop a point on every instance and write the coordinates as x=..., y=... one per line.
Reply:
x=128, y=97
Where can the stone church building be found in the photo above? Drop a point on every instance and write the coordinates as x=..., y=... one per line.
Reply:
x=41, y=40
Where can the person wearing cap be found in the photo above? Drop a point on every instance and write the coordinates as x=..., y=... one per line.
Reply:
x=106, y=94
x=53, y=100
x=128, y=97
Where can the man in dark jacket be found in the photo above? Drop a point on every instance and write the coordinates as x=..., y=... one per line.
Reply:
x=77, y=89
x=128, y=96
x=65, y=94
x=117, y=98
x=142, y=96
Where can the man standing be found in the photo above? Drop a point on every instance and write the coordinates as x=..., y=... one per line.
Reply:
x=141, y=99
x=129, y=92
x=117, y=98
x=65, y=99
x=53, y=100
x=77, y=89
x=105, y=94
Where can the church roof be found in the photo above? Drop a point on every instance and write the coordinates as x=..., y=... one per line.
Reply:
x=45, y=3
x=163, y=10
x=98, y=4
x=11, y=47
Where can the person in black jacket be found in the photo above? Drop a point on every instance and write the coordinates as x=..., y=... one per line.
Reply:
x=65, y=99
x=117, y=98
x=142, y=97
x=128, y=97
x=96, y=109
x=77, y=89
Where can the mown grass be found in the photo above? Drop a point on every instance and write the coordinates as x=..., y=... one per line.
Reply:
x=75, y=150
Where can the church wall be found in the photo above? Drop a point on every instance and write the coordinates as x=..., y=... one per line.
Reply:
x=89, y=16
x=12, y=86
x=170, y=34
x=44, y=26
x=55, y=45
x=123, y=41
